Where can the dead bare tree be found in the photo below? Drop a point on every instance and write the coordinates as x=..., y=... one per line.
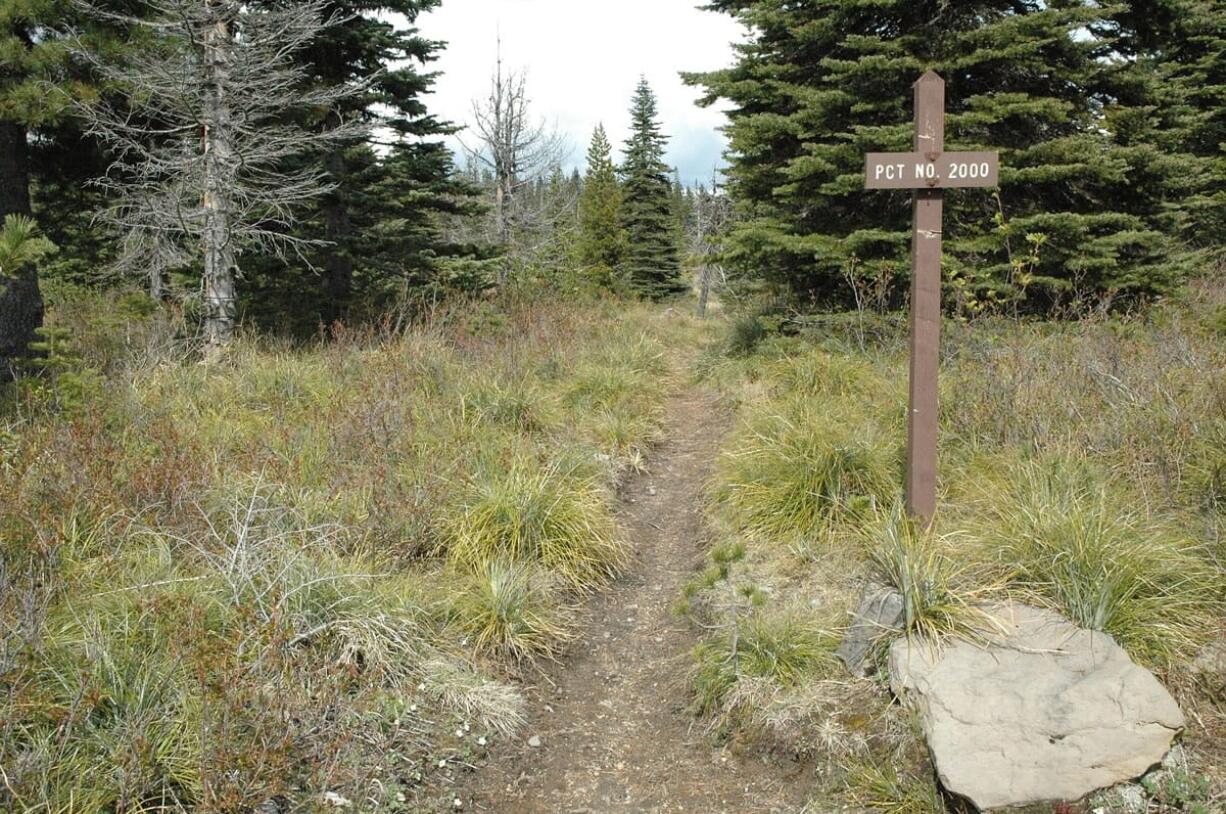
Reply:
x=515, y=147
x=710, y=219
x=203, y=136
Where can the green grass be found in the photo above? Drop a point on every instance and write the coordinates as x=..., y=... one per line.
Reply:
x=304, y=568
x=783, y=648
x=1081, y=469
x=938, y=598
x=882, y=789
x=1065, y=538
x=550, y=517
x=796, y=468
x=510, y=610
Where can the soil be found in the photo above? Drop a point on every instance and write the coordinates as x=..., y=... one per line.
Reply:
x=610, y=720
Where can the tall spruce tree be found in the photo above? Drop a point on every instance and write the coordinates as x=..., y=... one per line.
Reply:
x=382, y=204
x=602, y=240
x=653, y=261
x=44, y=157
x=33, y=56
x=1193, y=71
x=819, y=84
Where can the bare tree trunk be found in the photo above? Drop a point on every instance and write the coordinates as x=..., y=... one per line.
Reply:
x=502, y=212
x=210, y=168
x=704, y=290
x=21, y=301
x=338, y=266
x=220, y=310
x=516, y=151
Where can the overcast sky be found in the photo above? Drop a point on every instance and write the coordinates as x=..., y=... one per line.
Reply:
x=583, y=59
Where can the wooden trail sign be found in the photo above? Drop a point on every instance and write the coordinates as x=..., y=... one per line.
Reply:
x=928, y=170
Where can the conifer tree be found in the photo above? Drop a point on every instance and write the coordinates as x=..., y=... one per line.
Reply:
x=602, y=240
x=821, y=83
x=1193, y=71
x=34, y=56
x=376, y=38
x=683, y=204
x=653, y=262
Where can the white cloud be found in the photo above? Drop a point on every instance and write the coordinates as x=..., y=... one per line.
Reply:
x=583, y=59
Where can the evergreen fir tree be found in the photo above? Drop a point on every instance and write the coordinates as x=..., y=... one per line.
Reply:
x=371, y=194
x=602, y=240
x=819, y=84
x=34, y=57
x=653, y=263
x=418, y=191
x=1193, y=70
x=683, y=204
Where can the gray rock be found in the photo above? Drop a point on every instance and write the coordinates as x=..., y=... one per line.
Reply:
x=880, y=612
x=534, y=742
x=1209, y=667
x=1039, y=711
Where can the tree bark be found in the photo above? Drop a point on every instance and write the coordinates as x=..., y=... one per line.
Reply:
x=220, y=309
x=704, y=291
x=21, y=301
x=338, y=266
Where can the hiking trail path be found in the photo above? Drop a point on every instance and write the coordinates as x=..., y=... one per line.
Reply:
x=610, y=717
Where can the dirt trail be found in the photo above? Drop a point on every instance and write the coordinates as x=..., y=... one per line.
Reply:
x=613, y=731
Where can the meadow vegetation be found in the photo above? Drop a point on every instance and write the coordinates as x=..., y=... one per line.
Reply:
x=1082, y=469
x=304, y=570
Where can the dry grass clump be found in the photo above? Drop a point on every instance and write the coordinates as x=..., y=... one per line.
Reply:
x=782, y=649
x=883, y=789
x=549, y=517
x=511, y=609
x=927, y=571
x=199, y=670
x=273, y=575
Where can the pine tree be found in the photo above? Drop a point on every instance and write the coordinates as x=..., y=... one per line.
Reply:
x=602, y=240
x=653, y=263
x=33, y=56
x=376, y=38
x=821, y=83
x=1194, y=73
x=682, y=203
x=408, y=253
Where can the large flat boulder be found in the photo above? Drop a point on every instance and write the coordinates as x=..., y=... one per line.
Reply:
x=1038, y=711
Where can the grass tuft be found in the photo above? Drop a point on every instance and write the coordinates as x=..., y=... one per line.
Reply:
x=783, y=648
x=794, y=472
x=919, y=565
x=552, y=518
x=882, y=789
x=509, y=610
x=1063, y=539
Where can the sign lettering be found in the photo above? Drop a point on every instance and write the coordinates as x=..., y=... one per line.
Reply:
x=933, y=170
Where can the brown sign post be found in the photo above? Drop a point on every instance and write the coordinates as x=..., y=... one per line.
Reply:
x=928, y=171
